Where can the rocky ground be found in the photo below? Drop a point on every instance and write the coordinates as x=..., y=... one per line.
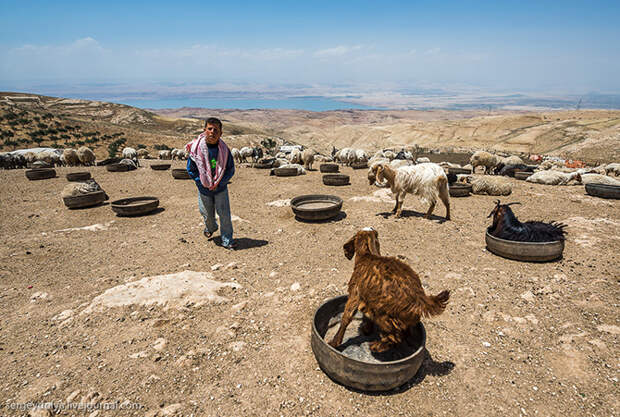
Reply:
x=516, y=339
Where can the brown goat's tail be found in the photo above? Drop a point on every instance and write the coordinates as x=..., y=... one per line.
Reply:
x=434, y=304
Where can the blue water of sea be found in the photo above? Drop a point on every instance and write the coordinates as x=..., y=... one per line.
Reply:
x=293, y=103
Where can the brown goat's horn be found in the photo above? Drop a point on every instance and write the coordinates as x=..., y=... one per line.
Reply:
x=510, y=204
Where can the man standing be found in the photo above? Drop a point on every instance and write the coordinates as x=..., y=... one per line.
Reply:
x=211, y=165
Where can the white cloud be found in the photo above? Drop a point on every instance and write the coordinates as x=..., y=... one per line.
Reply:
x=336, y=51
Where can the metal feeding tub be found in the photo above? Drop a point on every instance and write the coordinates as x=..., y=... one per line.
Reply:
x=353, y=364
x=135, y=206
x=78, y=176
x=160, y=167
x=525, y=251
x=522, y=175
x=316, y=206
x=40, y=173
x=180, y=174
x=459, y=190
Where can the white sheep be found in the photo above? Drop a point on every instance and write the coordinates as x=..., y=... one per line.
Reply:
x=512, y=160
x=307, y=156
x=360, y=156
x=130, y=153
x=164, y=154
x=485, y=159
x=397, y=163
x=294, y=157
x=422, y=160
x=245, y=153
x=426, y=180
x=143, y=153
x=553, y=177
x=613, y=168
x=236, y=155
x=598, y=179
x=70, y=157
x=300, y=169
x=322, y=158
x=491, y=186
x=86, y=155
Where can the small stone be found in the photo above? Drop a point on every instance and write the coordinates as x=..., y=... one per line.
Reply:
x=216, y=267
x=139, y=355
x=232, y=265
x=156, y=357
x=72, y=396
x=273, y=274
x=486, y=344
x=159, y=344
x=159, y=322
x=296, y=286
x=40, y=412
x=240, y=306
x=39, y=296
x=528, y=296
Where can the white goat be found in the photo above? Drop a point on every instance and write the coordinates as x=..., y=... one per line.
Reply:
x=426, y=180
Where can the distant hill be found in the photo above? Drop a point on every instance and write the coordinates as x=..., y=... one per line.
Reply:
x=28, y=120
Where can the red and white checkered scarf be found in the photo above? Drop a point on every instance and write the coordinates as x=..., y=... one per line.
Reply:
x=199, y=153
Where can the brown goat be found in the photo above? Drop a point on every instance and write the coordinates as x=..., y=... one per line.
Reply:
x=387, y=291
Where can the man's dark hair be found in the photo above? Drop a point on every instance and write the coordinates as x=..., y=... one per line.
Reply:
x=214, y=121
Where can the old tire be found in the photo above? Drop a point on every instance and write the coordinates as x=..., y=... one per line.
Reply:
x=457, y=171
x=85, y=200
x=603, y=191
x=160, y=167
x=359, y=165
x=40, y=173
x=459, y=190
x=329, y=168
x=525, y=251
x=134, y=206
x=335, y=179
x=181, y=174
x=117, y=168
x=285, y=172
x=359, y=374
x=78, y=176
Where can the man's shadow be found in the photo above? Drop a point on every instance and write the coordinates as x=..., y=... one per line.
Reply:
x=411, y=213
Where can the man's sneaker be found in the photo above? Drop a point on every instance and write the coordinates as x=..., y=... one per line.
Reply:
x=231, y=246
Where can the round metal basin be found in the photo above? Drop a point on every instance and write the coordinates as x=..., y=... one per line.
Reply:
x=78, y=176
x=603, y=190
x=85, y=200
x=335, y=179
x=181, y=174
x=522, y=175
x=134, y=206
x=160, y=167
x=329, y=168
x=40, y=173
x=525, y=251
x=316, y=206
x=353, y=364
x=459, y=190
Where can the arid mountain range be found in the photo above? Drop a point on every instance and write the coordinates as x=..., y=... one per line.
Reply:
x=591, y=135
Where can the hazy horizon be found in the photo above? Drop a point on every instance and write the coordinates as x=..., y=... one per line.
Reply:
x=393, y=54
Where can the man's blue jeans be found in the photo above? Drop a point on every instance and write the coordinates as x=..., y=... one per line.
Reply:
x=208, y=205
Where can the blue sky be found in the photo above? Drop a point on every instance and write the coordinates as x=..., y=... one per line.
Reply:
x=533, y=46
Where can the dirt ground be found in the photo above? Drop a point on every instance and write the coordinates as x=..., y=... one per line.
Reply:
x=516, y=339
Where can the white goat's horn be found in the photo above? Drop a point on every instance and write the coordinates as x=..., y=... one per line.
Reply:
x=368, y=229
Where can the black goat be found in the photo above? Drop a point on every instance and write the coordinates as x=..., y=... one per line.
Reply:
x=507, y=226
x=452, y=178
x=509, y=170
